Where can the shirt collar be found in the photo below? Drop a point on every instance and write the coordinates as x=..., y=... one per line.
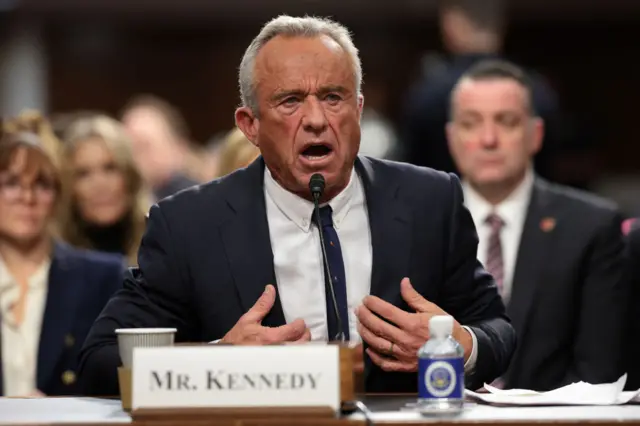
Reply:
x=9, y=290
x=6, y=280
x=511, y=210
x=300, y=210
x=37, y=280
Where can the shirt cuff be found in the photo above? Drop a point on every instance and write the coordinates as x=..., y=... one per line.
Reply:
x=470, y=365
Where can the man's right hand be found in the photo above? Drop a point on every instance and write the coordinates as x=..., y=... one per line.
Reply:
x=250, y=331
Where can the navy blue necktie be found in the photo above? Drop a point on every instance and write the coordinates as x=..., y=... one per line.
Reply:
x=336, y=265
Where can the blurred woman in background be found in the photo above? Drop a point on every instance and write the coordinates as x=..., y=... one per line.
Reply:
x=236, y=152
x=105, y=202
x=50, y=293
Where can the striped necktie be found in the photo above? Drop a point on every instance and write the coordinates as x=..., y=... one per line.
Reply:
x=336, y=265
x=495, y=264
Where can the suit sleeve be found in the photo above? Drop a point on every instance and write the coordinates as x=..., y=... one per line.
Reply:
x=155, y=294
x=471, y=296
x=598, y=345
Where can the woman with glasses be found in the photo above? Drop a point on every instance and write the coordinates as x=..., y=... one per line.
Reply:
x=50, y=293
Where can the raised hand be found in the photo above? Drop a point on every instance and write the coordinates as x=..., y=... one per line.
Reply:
x=394, y=343
x=250, y=331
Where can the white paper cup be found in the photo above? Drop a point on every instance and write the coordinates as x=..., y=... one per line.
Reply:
x=130, y=338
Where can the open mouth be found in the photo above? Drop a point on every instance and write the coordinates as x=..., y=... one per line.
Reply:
x=316, y=151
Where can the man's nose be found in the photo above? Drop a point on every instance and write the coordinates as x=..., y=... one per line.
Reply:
x=314, y=119
x=489, y=137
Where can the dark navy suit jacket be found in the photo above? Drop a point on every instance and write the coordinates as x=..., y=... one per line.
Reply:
x=206, y=257
x=569, y=292
x=80, y=284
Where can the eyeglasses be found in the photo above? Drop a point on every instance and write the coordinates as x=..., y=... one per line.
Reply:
x=12, y=190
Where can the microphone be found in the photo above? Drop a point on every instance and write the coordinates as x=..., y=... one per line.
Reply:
x=316, y=186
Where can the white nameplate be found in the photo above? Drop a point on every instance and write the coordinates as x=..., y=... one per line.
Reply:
x=236, y=376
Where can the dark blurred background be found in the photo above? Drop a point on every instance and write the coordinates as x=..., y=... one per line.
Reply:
x=70, y=55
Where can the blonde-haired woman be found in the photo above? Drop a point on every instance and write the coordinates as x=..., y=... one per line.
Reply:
x=105, y=201
x=236, y=152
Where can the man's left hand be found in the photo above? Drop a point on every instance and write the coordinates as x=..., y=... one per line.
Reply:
x=394, y=344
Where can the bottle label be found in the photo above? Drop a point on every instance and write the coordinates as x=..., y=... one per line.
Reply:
x=441, y=378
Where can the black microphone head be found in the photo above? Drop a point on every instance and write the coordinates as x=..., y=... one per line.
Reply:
x=316, y=185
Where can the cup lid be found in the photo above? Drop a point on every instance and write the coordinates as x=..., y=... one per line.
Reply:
x=146, y=330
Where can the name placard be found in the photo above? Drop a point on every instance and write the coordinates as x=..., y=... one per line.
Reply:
x=236, y=376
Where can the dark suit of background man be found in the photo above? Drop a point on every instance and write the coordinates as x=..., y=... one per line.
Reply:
x=209, y=253
x=555, y=252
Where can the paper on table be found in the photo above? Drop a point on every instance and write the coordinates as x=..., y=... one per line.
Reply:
x=579, y=393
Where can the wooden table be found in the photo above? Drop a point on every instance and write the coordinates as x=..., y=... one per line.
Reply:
x=386, y=411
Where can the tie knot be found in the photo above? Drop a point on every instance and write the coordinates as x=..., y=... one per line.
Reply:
x=494, y=221
x=326, y=216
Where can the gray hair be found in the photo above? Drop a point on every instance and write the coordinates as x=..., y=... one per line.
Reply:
x=290, y=26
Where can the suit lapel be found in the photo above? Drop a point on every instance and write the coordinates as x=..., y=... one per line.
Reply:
x=535, y=245
x=248, y=244
x=65, y=278
x=390, y=225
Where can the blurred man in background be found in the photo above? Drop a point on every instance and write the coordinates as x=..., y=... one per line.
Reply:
x=471, y=30
x=160, y=144
x=555, y=253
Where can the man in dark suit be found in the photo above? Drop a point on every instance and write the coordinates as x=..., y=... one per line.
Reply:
x=160, y=142
x=213, y=256
x=555, y=252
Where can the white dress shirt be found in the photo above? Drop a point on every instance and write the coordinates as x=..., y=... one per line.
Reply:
x=513, y=212
x=20, y=343
x=297, y=255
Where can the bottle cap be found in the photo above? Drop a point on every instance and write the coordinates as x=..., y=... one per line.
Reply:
x=440, y=326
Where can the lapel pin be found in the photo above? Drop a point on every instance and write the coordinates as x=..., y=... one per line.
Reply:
x=547, y=224
x=627, y=225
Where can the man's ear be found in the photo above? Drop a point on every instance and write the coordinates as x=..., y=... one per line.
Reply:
x=248, y=124
x=537, y=129
x=360, y=104
x=448, y=128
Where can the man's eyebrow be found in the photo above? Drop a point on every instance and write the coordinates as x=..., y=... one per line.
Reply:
x=464, y=114
x=285, y=94
x=277, y=97
x=329, y=89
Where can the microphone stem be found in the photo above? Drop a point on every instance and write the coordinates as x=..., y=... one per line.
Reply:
x=327, y=271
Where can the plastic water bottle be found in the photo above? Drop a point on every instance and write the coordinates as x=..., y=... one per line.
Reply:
x=441, y=370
